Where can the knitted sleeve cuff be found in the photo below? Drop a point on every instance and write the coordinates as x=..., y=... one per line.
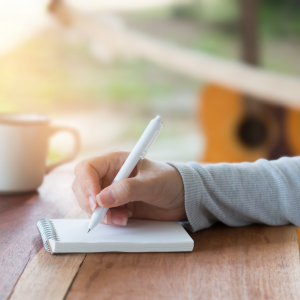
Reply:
x=197, y=214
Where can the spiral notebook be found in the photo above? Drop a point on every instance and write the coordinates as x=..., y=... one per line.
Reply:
x=70, y=236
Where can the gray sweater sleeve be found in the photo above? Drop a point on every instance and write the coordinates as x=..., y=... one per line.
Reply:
x=265, y=192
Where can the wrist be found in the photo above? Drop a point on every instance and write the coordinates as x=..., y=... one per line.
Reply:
x=177, y=191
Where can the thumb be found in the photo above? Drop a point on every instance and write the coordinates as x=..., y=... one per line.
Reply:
x=122, y=192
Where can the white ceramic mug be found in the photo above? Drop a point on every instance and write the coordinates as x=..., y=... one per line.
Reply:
x=23, y=151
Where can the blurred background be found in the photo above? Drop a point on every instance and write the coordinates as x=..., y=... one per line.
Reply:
x=53, y=69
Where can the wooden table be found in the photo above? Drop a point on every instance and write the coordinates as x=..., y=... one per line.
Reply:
x=252, y=262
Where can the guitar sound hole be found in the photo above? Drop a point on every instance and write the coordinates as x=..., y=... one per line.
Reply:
x=252, y=132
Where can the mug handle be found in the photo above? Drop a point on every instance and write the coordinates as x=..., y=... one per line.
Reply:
x=73, y=154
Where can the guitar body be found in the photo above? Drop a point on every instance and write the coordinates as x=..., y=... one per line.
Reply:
x=235, y=133
x=239, y=128
x=293, y=130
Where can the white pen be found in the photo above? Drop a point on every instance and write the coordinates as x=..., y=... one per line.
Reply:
x=139, y=151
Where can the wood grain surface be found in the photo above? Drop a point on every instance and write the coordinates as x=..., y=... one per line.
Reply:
x=49, y=276
x=19, y=237
x=253, y=262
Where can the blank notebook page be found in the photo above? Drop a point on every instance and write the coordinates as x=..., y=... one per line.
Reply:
x=137, y=236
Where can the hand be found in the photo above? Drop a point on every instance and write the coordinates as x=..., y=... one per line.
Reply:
x=153, y=191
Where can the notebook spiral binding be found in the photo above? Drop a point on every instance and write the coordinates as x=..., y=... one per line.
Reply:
x=47, y=232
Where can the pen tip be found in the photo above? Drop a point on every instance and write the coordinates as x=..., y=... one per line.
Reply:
x=89, y=230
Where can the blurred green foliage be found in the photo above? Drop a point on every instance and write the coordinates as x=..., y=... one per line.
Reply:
x=280, y=18
x=219, y=32
x=216, y=11
x=46, y=73
x=51, y=73
x=276, y=17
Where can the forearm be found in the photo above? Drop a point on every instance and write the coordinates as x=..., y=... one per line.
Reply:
x=238, y=194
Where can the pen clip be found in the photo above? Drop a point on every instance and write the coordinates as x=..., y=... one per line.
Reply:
x=152, y=140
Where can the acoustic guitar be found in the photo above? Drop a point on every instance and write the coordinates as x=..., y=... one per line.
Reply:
x=239, y=127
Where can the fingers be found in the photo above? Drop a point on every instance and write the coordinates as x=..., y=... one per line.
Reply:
x=86, y=186
x=94, y=174
x=153, y=191
x=107, y=166
x=124, y=191
x=81, y=197
x=116, y=216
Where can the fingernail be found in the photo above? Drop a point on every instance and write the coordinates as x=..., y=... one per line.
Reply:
x=119, y=221
x=105, y=219
x=106, y=198
x=92, y=203
x=129, y=214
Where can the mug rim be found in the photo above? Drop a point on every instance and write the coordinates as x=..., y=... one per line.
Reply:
x=23, y=119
